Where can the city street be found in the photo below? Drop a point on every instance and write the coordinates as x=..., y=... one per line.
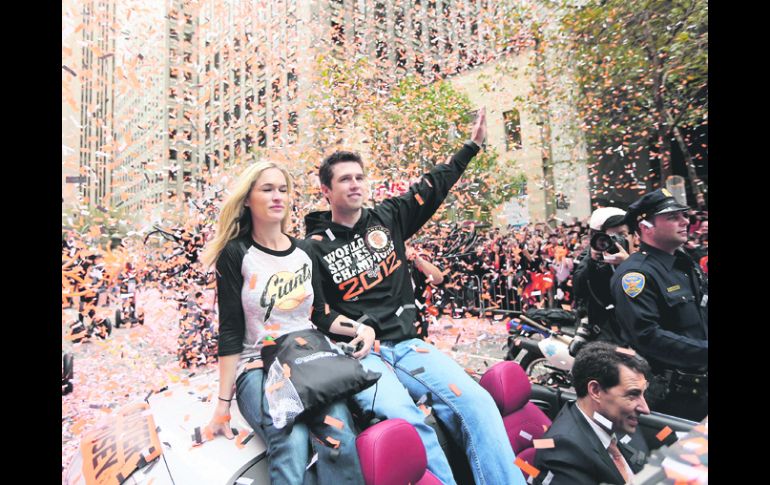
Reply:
x=132, y=362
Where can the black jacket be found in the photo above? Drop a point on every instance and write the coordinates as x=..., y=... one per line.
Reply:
x=592, y=289
x=364, y=269
x=667, y=321
x=578, y=456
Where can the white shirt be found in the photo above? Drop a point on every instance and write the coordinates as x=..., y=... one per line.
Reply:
x=606, y=439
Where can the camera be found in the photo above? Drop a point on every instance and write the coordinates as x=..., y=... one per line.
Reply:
x=605, y=243
x=350, y=349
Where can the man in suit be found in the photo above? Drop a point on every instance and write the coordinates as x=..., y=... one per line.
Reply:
x=597, y=438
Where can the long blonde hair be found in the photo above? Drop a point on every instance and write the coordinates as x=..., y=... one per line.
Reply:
x=235, y=218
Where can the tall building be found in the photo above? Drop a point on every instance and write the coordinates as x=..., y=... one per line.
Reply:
x=140, y=117
x=70, y=106
x=96, y=103
x=218, y=78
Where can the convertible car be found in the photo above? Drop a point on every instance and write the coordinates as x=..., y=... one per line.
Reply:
x=162, y=440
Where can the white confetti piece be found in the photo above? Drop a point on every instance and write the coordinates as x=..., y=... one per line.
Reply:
x=602, y=420
x=330, y=234
x=625, y=439
x=312, y=461
x=525, y=435
x=548, y=478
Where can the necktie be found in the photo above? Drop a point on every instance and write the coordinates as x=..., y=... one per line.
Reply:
x=617, y=458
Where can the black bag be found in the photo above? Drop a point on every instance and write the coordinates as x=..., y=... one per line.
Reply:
x=304, y=371
x=552, y=316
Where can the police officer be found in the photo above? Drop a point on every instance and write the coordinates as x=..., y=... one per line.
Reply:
x=661, y=306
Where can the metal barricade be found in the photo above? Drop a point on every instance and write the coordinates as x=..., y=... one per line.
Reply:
x=501, y=291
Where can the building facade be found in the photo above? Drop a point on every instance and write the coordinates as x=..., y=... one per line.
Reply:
x=238, y=76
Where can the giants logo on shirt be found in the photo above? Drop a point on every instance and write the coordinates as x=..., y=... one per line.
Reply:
x=285, y=290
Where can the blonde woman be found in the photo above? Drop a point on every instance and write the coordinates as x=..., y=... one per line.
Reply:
x=265, y=289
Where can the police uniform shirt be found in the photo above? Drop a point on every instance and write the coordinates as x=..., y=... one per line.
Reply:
x=661, y=305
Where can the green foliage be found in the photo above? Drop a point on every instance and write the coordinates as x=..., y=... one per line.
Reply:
x=641, y=69
x=421, y=125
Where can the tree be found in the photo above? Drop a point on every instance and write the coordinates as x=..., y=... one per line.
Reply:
x=641, y=69
x=421, y=125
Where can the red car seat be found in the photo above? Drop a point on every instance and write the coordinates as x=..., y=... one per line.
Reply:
x=391, y=453
x=510, y=388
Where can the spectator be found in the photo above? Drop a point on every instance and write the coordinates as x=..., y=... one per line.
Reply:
x=593, y=274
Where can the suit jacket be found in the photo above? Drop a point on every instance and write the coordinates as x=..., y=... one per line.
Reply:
x=578, y=456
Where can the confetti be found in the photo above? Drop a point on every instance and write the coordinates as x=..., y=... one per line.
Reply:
x=663, y=434
x=331, y=421
x=455, y=390
x=623, y=350
x=526, y=467
x=543, y=443
x=335, y=443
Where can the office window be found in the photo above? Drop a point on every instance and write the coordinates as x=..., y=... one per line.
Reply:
x=512, y=130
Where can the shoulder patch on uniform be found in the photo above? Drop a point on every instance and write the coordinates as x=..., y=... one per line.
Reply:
x=633, y=283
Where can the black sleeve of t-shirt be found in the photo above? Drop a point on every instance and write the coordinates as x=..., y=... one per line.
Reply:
x=232, y=322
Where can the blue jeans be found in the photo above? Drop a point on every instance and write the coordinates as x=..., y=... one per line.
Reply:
x=472, y=418
x=288, y=450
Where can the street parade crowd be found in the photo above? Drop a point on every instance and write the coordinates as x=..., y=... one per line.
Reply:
x=507, y=268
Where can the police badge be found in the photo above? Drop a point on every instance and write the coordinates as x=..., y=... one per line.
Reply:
x=633, y=283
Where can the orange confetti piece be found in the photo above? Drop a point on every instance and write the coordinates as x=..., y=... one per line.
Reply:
x=267, y=343
x=623, y=350
x=286, y=371
x=526, y=467
x=326, y=309
x=239, y=439
x=300, y=341
x=421, y=350
x=543, y=444
x=455, y=389
x=208, y=435
x=331, y=421
x=690, y=458
x=186, y=417
x=168, y=393
x=424, y=409
x=275, y=387
x=218, y=419
x=334, y=442
x=272, y=327
x=78, y=426
x=663, y=434
x=377, y=346
x=316, y=237
x=419, y=199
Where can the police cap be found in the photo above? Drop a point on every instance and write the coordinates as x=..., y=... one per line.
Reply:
x=656, y=202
